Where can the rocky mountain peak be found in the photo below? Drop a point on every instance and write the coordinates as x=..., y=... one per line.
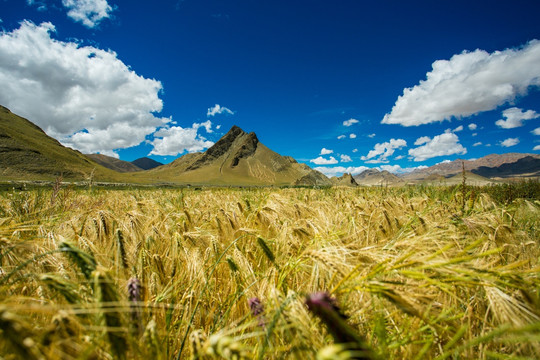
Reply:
x=235, y=142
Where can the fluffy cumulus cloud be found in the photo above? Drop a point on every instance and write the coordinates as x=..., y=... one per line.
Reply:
x=88, y=12
x=458, y=129
x=325, y=151
x=381, y=152
x=323, y=161
x=85, y=97
x=350, y=122
x=536, y=148
x=472, y=126
x=509, y=142
x=467, y=84
x=217, y=110
x=345, y=158
x=441, y=145
x=536, y=131
x=352, y=136
x=514, y=117
x=175, y=140
x=422, y=140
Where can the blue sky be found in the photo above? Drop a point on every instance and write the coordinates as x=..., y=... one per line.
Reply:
x=338, y=85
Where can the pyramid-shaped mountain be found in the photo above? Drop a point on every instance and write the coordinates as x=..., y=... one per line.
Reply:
x=238, y=158
x=344, y=180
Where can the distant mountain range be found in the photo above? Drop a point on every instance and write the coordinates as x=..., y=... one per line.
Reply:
x=238, y=158
x=483, y=171
x=115, y=164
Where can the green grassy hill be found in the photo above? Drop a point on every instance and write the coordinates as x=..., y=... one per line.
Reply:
x=27, y=153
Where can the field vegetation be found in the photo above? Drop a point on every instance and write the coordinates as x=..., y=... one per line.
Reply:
x=223, y=273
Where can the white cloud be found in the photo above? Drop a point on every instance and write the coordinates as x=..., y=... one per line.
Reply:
x=399, y=157
x=458, y=129
x=340, y=170
x=509, y=142
x=89, y=12
x=175, y=140
x=207, y=125
x=514, y=118
x=477, y=143
x=472, y=126
x=325, y=151
x=422, y=140
x=350, y=122
x=345, y=158
x=217, y=109
x=341, y=137
x=382, y=151
x=85, y=97
x=441, y=145
x=536, y=131
x=352, y=136
x=322, y=161
x=467, y=84
x=371, y=136
x=536, y=148
x=40, y=4
x=356, y=150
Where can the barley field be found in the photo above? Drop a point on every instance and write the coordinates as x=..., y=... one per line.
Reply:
x=237, y=273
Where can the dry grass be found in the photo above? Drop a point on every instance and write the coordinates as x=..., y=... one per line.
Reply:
x=164, y=274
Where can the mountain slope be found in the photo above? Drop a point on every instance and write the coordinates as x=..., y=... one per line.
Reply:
x=114, y=163
x=146, y=163
x=238, y=158
x=526, y=166
x=455, y=167
x=26, y=152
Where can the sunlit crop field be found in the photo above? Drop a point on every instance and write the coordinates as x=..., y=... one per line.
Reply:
x=224, y=273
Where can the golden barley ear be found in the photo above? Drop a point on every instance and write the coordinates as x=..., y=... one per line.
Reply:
x=85, y=262
x=121, y=248
x=109, y=301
